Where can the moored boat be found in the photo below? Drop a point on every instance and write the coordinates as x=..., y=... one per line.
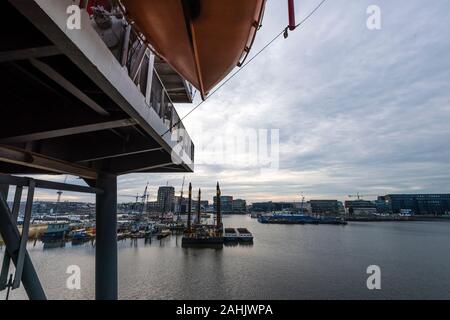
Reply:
x=288, y=217
x=332, y=220
x=163, y=233
x=56, y=232
x=202, y=236
x=79, y=236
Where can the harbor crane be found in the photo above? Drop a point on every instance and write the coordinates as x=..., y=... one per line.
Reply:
x=144, y=198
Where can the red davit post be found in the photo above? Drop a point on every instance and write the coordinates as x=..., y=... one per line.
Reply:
x=291, y=15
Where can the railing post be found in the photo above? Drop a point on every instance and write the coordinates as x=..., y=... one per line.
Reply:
x=151, y=65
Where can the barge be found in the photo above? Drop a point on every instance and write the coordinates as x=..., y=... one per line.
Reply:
x=244, y=235
x=230, y=235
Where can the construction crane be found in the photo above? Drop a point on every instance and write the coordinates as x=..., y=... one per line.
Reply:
x=303, y=201
x=360, y=196
x=136, y=197
x=144, y=198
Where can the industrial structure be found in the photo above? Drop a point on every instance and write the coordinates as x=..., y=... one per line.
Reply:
x=84, y=94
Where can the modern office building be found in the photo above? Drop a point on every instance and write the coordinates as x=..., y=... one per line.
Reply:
x=166, y=198
x=226, y=204
x=382, y=205
x=239, y=206
x=419, y=204
x=360, y=207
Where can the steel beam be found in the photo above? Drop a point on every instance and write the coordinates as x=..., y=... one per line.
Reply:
x=6, y=256
x=11, y=237
x=35, y=160
x=106, y=239
x=29, y=53
x=125, y=46
x=22, y=182
x=69, y=131
x=4, y=190
x=24, y=235
x=66, y=84
x=123, y=154
x=162, y=165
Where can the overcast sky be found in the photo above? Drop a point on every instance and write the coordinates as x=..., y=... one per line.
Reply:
x=357, y=110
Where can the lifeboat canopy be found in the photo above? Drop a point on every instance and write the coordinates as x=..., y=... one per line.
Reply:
x=203, y=40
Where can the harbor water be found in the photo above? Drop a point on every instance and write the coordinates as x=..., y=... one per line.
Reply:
x=284, y=262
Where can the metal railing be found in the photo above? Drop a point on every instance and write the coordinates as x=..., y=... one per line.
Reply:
x=134, y=54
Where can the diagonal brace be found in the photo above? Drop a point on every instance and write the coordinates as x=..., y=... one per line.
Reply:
x=11, y=237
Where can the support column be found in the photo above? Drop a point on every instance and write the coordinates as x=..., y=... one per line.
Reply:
x=106, y=287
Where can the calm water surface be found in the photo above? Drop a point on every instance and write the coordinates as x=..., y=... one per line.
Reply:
x=285, y=262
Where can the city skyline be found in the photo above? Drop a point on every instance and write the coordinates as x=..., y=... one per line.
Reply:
x=328, y=90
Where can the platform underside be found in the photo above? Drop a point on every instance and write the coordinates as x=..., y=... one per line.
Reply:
x=60, y=111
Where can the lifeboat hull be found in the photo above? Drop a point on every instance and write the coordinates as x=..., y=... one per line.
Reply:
x=203, y=40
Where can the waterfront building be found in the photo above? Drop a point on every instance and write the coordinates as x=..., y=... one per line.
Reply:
x=324, y=207
x=239, y=206
x=226, y=204
x=153, y=207
x=360, y=207
x=166, y=198
x=382, y=206
x=419, y=204
x=271, y=206
x=182, y=207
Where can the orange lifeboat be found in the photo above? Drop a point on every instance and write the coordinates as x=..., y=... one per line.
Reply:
x=203, y=40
